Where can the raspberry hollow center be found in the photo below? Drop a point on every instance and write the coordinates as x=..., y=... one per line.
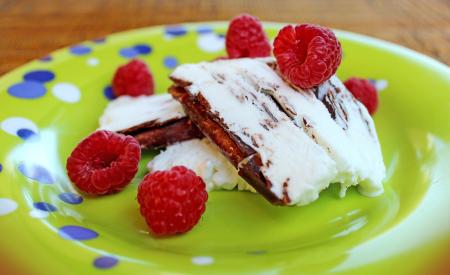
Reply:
x=104, y=161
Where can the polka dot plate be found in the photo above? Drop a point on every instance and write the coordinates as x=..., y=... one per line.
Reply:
x=48, y=227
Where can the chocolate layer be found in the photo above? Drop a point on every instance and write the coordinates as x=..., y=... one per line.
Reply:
x=156, y=121
x=167, y=134
x=242, y=156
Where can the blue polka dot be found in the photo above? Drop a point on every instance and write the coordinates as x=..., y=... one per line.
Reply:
x=25, y=133
x=77, y=233
x=204, y=29
x=36, y=172
x=40, y=76
x=47, y=58
x=27, y=90
x=100, y=40
x=105, y=262
x=143, y=49
x=176, y=30
x=170, y=62
x=80, y=50
x=108, y=92
x=71, y=198
x=128, y=52
x=45, y=206
x=1, y=167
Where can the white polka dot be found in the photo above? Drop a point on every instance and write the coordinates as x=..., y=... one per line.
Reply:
x=381, y=84
x=7, y=206
x=38, y=214
x=93, y=62
x=67, y=92
x=210, y=42
x=202, y=260
x=13, y=124
x=168, y=36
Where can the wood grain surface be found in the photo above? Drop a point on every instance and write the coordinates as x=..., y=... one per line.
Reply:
x=30, y=29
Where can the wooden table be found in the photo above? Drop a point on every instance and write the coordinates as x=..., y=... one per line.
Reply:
x=30, y=29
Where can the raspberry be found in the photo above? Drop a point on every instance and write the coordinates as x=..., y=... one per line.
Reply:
x=364, y=91
x=307, y=54
x=104, y=162
x=246, y=38
x=133, y=79
x=172, y=201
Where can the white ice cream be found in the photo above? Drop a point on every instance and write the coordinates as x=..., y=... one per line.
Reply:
x=363, y=138
x=126, y=111
x=205, y=160
x=350, y=141
x=319, y=150
x=296, y=166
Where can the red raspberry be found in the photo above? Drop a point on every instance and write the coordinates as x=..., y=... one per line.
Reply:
x=104, y=162
x=133, y=79
x=246, y=38
x=307, y=54
x=172, y=201
x=364, y=91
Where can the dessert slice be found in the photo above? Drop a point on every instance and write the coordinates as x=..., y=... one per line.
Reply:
x=333, y=118
x=270, y=152
x=203, y=157
x=155, y=121
x=359, y=127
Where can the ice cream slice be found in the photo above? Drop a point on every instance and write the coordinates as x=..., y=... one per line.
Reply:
x=271, y=153
x=333, y=118
x=205, y=160
x=155, y=121
x=127, y=113
x=289, y=144
x=359, y=128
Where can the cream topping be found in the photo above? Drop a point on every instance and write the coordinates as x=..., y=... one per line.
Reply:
x=126, y=112
x=205, y=160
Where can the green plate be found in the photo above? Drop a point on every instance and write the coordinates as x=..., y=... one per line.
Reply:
x=49, y=105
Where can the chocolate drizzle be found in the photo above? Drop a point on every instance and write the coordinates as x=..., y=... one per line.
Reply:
x=369, y=129
x=286, y=198
x=266, y=109
x=220, y=78
x=336, y=108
